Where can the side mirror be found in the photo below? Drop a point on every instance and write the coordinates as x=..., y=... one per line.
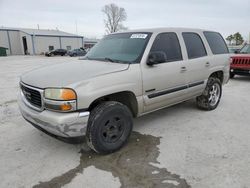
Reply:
x=156, y=58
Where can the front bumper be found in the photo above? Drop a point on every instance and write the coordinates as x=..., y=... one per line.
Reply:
x=72, y=124
x=243, y=72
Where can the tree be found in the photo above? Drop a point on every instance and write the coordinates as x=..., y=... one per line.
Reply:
x=238, y=38
x=230, y=38
x=114, y=17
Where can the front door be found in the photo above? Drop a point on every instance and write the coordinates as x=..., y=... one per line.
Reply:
x=165, y=83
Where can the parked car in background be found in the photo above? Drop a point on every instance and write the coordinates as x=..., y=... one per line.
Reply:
x=77, y=52
x=234, y=49
x=240, y=62
x=125, y=75
x=240, y=65
x=60, y=52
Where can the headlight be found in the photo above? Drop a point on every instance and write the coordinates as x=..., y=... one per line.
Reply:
x=60, y=99
x=60, y=94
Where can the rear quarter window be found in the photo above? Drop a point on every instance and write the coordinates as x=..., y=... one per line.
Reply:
x=216, y=42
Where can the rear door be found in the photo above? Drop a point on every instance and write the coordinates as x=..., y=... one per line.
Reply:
x=165, y=83
x=197, y=63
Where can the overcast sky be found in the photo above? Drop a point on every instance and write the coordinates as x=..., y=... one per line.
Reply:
x=225, y=16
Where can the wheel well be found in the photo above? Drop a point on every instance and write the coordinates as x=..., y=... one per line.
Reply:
x=125, y=97
x=218, y=74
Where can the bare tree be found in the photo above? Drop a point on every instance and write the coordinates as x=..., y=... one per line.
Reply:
x=114, y=17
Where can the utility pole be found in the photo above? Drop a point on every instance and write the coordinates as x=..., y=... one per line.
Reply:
x=77, y=34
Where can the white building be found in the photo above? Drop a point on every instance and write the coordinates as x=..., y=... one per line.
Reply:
x=37, y=41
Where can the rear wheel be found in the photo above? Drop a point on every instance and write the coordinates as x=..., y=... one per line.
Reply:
x=211, y=96
x=109, y=127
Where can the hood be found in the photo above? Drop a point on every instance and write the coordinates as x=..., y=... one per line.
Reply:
x=64, y=74
x=241, y=55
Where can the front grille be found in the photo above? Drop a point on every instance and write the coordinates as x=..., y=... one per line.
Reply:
x=32, y=96
x=241, y=61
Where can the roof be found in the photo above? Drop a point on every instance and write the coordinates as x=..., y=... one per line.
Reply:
x=166, y=29
x=41, y=32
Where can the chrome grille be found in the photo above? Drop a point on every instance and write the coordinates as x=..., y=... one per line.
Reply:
x=32, y=96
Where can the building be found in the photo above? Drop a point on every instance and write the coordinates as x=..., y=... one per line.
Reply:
x=37, y=41
x=89, y=43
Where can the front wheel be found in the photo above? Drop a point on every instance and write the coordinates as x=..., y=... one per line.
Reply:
x=211, y=96
x=109, y=127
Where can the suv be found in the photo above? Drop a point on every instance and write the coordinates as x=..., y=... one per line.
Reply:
x=125, y=75
x=240, y=64
x=77, y=52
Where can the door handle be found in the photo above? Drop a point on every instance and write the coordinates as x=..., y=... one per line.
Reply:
x=183, y=69
x=207, y=64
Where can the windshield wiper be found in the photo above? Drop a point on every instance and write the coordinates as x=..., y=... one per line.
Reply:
x=109, y=59
x=115, y=60
x=106, y=59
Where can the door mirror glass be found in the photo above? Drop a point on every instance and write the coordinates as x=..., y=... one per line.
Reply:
x=156, y=58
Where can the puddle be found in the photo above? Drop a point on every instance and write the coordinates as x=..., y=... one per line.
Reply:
x=132, y=165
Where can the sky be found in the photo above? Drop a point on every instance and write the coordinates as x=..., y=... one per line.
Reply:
x=224, y=16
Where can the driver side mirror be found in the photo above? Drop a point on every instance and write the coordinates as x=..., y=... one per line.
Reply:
x=156, y=58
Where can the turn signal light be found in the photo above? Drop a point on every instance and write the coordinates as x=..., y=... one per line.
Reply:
x=68, y=94
x=65, y=107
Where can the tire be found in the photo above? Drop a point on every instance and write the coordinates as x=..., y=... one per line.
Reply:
x=211, y=96
x=109, y=127
x=232, y=75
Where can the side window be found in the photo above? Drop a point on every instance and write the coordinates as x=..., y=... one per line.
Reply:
x=169, y=44
x=194, y=45
x=216, y=42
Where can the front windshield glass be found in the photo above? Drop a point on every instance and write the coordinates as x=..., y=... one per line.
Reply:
x=120, y=48
x=245, y=49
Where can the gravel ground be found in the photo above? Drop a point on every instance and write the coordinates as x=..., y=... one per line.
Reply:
x=180, y=146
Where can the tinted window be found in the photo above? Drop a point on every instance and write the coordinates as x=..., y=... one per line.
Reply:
x=169, y=44
x=194, y=45
x=216, y=43
x=120, y=47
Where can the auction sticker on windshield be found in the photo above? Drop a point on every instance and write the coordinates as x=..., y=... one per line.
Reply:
x=139, y=36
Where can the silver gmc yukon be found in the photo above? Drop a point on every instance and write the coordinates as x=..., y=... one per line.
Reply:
x=125, y=75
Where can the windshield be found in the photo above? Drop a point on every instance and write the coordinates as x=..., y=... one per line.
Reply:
x=245, y=49
x=120, y=48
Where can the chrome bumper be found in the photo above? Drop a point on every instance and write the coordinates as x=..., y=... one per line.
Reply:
x=72, y=124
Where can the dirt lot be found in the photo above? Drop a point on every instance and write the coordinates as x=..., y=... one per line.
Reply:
x=176, y=147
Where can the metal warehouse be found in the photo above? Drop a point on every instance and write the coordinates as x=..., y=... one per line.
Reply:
x=37, y=41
